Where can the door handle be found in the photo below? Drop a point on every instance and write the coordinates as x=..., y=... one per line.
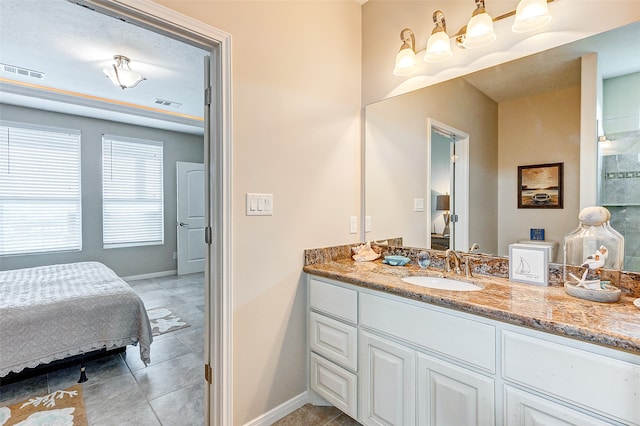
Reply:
x=183, y=224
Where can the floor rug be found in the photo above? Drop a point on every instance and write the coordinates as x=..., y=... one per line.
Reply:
x=60, y=408
x=163, y=321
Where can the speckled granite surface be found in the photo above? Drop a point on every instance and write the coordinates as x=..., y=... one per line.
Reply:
x=548, y=309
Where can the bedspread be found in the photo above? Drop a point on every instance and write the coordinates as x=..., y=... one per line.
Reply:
x=53, y=312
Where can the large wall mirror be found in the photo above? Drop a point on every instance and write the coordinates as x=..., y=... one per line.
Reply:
x=527, y=112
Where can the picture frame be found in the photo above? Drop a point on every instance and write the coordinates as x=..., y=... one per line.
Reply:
x=529, y=264
x=541, y=186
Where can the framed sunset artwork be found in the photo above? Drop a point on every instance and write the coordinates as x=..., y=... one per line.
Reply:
x=540, y=186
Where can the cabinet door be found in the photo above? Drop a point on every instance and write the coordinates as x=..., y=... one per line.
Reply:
x=524, y=409
x=449, y=395
x=387, y=382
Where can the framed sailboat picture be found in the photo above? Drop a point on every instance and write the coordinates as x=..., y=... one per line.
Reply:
x=529, y=264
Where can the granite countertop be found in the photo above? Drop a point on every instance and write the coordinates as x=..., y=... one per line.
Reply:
x=549, y=309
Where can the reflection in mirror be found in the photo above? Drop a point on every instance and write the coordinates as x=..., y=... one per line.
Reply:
x=524, y=112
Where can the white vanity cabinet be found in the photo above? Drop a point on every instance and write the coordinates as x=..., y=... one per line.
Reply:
x=388, y=360
x=333, y=361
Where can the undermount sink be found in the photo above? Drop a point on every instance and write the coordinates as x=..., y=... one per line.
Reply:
x=442, y=283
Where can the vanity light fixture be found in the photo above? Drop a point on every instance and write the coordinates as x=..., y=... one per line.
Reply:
x=530, y=15
x=479, y=32
x=121, y=75
x=406, y=58
x=438, y=45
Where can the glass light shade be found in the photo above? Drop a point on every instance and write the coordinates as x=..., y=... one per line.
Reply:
x=405, y=62
x=479, y=31
x=121, y=75
x=438, y=48
x=531, y=15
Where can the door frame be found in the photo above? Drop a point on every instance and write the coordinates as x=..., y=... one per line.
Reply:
x=218, y=161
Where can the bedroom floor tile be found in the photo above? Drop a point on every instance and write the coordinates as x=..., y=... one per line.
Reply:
x=194, y=340
x=118, y=401
x=168, y=376
x=184, y=407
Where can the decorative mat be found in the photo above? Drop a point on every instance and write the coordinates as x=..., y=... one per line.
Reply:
x=164, y=321
x=59, y=408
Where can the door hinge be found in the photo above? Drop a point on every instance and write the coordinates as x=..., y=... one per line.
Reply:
x=207, y=96
x=207, y=235
x=454, y=218
x=208, y=374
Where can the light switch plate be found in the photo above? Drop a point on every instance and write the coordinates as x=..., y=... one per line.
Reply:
x=259, y=204
x=367, y=224
x=418, y=204
x=353, y=225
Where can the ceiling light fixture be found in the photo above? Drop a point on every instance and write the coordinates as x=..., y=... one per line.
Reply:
x=121, y=75
x=438, y=45
x=530, y=15
x=406, y=57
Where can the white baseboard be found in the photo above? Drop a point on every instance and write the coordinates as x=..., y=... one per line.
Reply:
x=280, y=411
x=150, y=275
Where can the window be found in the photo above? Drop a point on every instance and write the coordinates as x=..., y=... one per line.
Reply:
x=40, y=209
x=132, y=192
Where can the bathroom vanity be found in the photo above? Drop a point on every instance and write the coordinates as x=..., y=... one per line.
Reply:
x=391, y=353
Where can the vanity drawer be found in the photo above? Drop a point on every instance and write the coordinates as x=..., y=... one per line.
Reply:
x=596, y=382
x=335, y=384
x=448, y=335
x=334, y=340
x=334, y=300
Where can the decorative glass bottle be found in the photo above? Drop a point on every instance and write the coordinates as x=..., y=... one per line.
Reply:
x=593, y=245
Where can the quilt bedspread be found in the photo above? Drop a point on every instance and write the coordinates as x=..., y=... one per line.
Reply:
x=53, y=312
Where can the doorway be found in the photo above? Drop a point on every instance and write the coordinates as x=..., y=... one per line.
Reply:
x=217, y=210
x=448, y=184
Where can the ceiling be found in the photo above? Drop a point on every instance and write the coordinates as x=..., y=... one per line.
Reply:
x=71, y=45
x=558, y=68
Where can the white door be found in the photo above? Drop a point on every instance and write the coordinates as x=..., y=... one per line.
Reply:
x=191, y=218
x=449, y=395
x=387, y=382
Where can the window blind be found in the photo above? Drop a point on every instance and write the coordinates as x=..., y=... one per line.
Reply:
x=132, y=192
x=40, y=206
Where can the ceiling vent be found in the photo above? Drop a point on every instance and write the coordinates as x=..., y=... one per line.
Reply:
x=165, y=102
x=22, y=71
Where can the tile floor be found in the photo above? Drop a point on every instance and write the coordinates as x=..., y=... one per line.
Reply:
x=170, y=391
x=310, y=415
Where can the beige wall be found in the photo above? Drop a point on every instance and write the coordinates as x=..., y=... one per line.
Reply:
x=296, y=134
x=523, y=140
x=382, y=21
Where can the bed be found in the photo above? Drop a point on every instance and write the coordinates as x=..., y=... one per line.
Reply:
x=49, y=313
